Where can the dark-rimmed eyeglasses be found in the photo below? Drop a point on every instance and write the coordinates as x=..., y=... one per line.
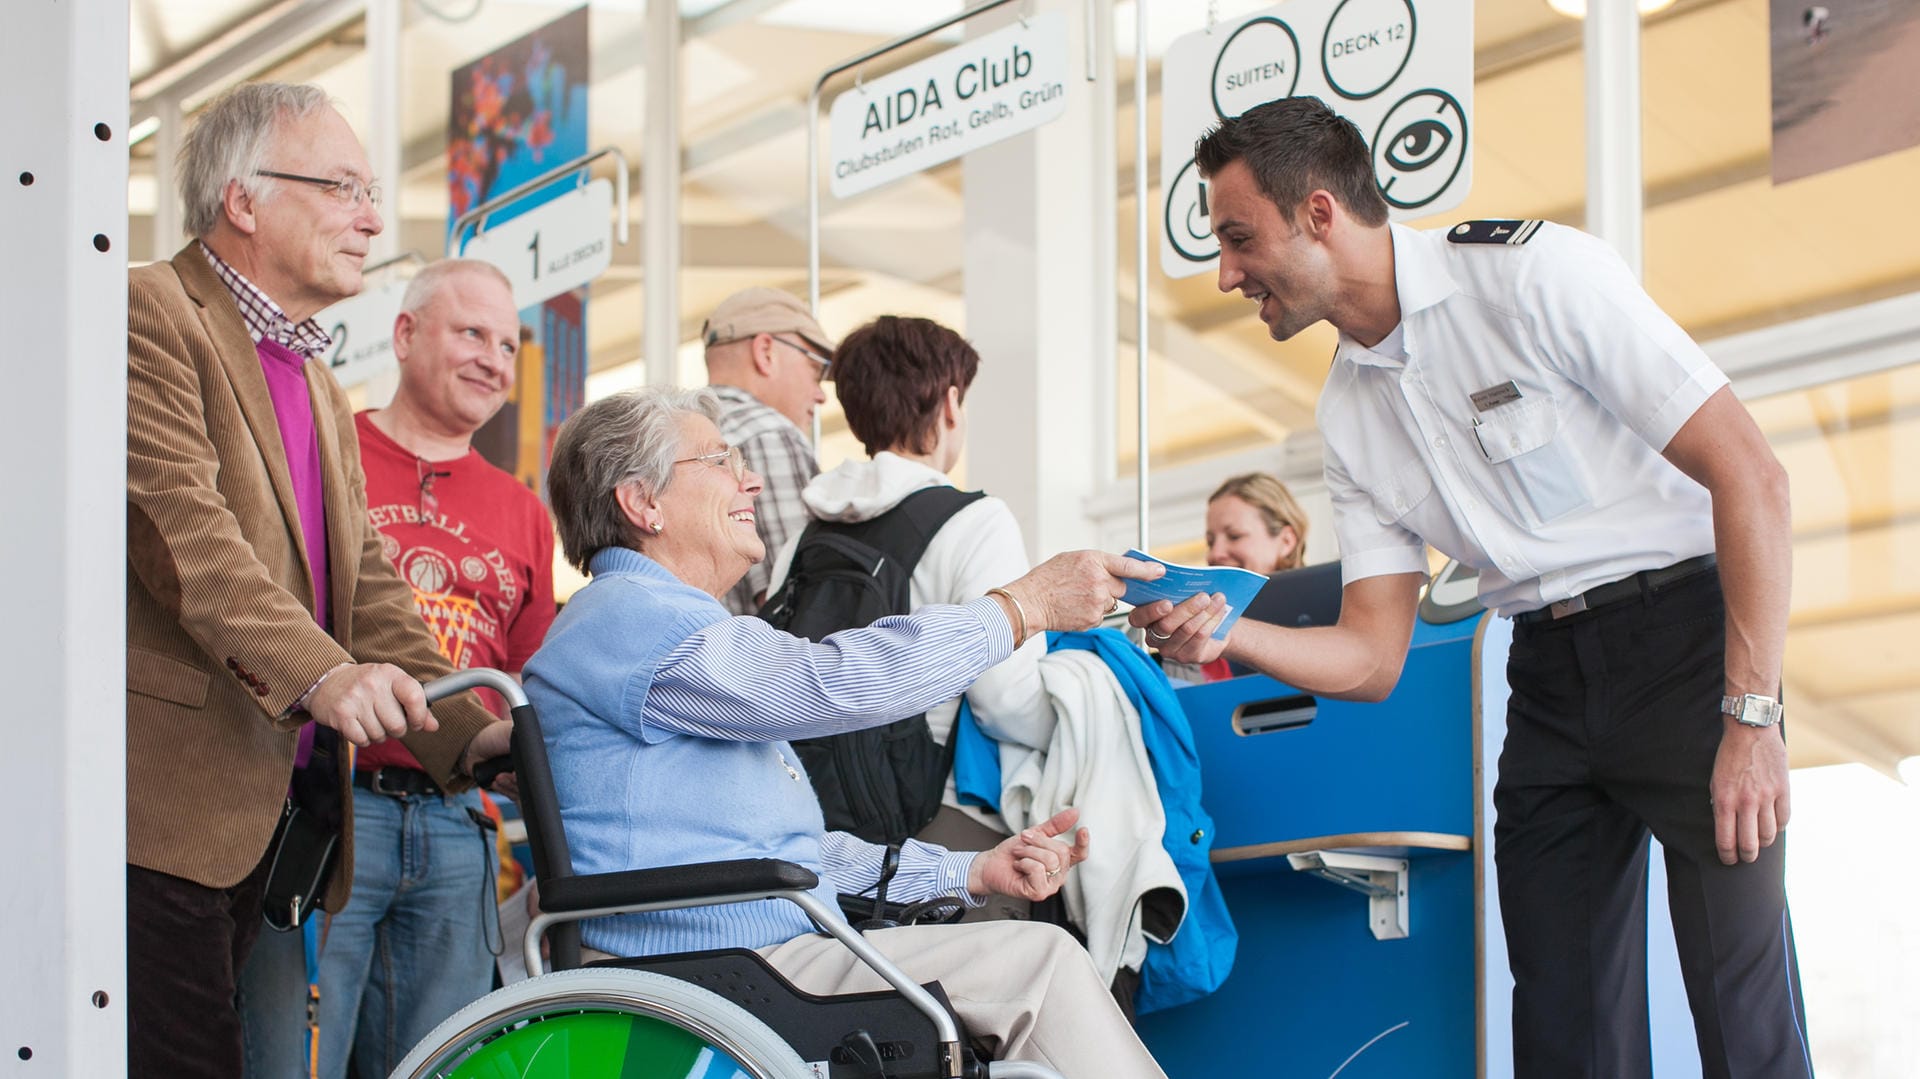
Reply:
x=731, y=458
x=823, y=362
x=349, y=190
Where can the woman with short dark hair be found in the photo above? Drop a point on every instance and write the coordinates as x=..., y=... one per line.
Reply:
x=903, y=383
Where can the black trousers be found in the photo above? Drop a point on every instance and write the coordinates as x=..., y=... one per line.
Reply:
x=1612, y=730
x=186, y=943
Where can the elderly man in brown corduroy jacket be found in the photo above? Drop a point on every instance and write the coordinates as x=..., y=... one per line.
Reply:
x=262, y=616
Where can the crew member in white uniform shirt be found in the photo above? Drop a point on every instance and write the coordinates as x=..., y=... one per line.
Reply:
x=1507, y=392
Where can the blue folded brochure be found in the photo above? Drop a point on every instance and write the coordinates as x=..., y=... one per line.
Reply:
x=1180, y=582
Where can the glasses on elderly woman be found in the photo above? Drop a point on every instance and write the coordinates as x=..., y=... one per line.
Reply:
x=731, y=457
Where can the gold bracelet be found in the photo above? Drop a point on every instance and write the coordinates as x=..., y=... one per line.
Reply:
x=1021, y=637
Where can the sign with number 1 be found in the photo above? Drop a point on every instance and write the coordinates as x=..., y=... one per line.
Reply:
x=555, y=247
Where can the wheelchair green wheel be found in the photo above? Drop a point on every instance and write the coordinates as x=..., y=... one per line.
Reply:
x=602, y=1023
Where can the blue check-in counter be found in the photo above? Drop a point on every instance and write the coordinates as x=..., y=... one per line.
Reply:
x=1347, y=966
x=1332, y=975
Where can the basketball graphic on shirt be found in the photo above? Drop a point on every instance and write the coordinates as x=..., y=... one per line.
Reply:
x=427, y=570
x=475, y=569
x=390, y=547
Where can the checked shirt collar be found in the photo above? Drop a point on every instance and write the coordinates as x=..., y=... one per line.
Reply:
x=264, y=318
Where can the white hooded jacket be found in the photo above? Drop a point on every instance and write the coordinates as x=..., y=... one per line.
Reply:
x=978, y=548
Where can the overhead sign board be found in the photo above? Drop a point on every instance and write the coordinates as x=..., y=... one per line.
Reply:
x=554, y=247
x=993, y=87
x=1405, y=80
x=362, y=330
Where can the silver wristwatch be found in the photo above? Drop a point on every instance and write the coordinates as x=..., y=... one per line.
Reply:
x=1753, y=710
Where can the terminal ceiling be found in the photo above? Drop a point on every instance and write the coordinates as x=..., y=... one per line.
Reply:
x=1726, y=250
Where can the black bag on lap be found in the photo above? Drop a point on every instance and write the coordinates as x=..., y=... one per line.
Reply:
x=882, y=784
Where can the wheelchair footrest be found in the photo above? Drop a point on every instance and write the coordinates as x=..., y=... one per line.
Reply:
x=817, y=1027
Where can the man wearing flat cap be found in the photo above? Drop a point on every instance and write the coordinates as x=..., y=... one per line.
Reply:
x=766, y=359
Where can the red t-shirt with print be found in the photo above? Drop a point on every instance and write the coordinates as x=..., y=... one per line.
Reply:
x=475, y=546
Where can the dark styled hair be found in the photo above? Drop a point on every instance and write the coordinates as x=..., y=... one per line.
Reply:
x=891, y=376
x=1293, y=147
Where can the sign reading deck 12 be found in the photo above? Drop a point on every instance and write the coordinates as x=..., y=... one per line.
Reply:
x=993, y=87
x=1403, y=76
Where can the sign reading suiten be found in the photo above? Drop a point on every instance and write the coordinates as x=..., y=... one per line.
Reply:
x=1404, y=79
x=555, y=247
x=993, y=87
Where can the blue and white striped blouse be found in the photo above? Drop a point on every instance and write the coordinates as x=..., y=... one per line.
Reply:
x=667, y=723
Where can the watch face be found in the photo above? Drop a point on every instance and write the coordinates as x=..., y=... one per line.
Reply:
x=1757, y=711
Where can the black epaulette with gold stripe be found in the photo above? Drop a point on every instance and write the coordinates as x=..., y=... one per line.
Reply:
x=1512, y=233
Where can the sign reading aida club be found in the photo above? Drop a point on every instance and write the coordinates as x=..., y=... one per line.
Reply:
x=991, y=88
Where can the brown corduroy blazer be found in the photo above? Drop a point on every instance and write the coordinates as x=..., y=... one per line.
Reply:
x=220, y=632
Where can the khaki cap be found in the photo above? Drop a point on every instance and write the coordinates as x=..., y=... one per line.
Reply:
x=763, y=310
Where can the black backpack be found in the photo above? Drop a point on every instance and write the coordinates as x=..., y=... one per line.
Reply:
x=883, y=784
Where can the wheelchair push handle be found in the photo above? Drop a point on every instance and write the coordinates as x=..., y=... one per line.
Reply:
x=484, y=772
x=477, y=678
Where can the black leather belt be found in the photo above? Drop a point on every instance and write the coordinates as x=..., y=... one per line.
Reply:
x=1600, y=595
x=396, y=782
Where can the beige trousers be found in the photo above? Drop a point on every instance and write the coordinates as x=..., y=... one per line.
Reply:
x=1027, y=989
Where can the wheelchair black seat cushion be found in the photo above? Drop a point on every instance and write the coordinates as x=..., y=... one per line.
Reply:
x=815, y=1026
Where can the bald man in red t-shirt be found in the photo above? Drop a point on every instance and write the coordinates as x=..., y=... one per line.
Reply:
x=413, y=945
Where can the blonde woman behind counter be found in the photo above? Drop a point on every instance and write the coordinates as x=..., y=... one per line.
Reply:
x=1255, y=523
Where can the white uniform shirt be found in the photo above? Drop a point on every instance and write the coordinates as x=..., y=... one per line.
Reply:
x=1548, y=493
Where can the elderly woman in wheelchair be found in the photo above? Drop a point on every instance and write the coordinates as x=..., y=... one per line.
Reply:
x=666, y=724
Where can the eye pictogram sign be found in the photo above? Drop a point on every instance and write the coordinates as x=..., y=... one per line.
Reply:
x=1401, y=71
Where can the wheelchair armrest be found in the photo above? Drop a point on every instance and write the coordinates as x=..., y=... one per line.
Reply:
x=672, y=883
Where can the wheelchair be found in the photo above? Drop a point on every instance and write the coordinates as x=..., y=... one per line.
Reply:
x=700, y=1015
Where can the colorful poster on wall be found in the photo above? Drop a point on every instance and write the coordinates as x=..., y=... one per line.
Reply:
x=516, y=113
x=1846, y=82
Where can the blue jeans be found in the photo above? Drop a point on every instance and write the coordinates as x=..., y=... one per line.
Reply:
x=272, y=1001
x=414, y=944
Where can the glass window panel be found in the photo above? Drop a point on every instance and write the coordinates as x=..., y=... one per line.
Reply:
x=1856, y=573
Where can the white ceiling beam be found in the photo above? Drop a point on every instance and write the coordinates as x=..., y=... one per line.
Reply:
x=253, y=44
x=728, y=14
x=1823, y=348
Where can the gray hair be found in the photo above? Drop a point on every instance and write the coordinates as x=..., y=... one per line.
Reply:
x=231, y=141
x=628, y=438
x=426, y=284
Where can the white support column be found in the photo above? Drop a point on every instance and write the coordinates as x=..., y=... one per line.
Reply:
x=385, y=101
x=660, y=195
x=63, y=542
x=1039, y=283
x=168, y=233
x=1614, y=181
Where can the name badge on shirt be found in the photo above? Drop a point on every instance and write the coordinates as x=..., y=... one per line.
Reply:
x=1494, y=396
